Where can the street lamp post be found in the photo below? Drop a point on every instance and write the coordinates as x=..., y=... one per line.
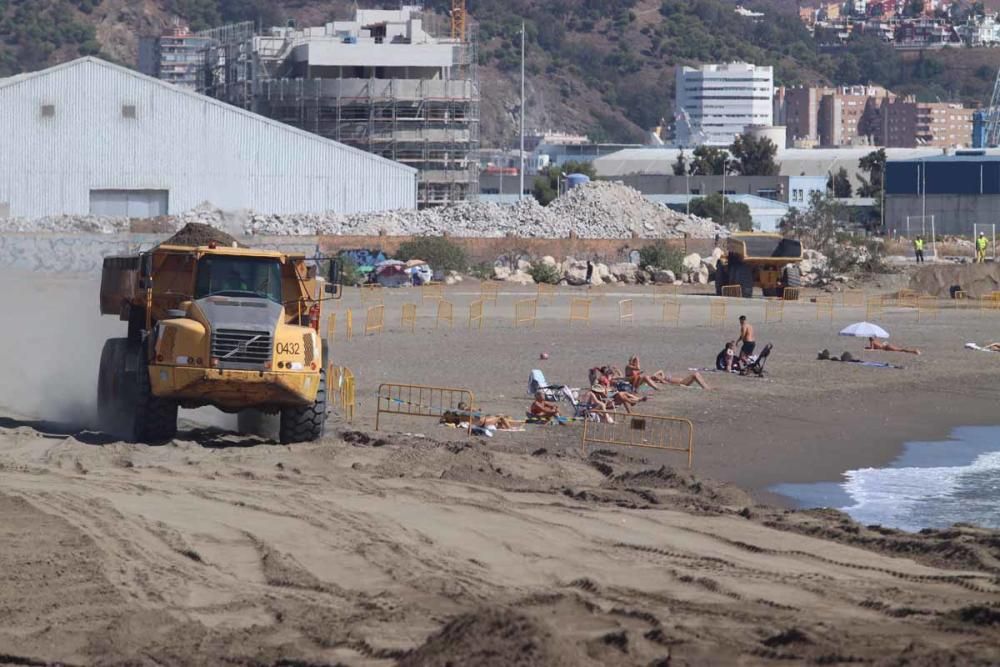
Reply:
x=520, y=194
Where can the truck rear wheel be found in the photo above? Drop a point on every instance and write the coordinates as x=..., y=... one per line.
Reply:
x=307, y=423
x=110, y=411
x=721, y=277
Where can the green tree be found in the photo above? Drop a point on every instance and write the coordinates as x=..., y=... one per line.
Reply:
x=754, y=156
x=723, y=211
x=546, y=187
x=680, y=166
x=874, y=165
x=818, y=225
x=840, y=184
x=440, y=253
x=709, y=161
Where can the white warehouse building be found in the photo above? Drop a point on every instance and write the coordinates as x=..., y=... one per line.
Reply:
x=90, y=137
x=714, y=103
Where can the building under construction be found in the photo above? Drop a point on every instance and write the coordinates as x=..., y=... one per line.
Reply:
x=398, y=83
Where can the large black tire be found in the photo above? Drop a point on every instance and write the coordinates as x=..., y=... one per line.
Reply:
x=742, y=274
x=152, y=420
x=721, y=277
x=306, y=423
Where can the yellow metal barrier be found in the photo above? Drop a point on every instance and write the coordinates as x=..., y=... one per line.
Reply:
x=996, y=299
x=774, y=310
x=432, y=291
x=927, y=307
x=372, y=294
x=626, y=311
x=475, y=314
x=445, y=313
x=873, y=308
x=579, y=310
x=732, y=291
x=525, y=312
x=545, y=293
x=906, y=298
x=415, y=400
x=331, y=328
x=961, y=296
x=634, y=430
x=374, y=319
x=341, y=389
x=349, y=325
x=408, y=318
x=854, y=299
x=790, y=294
x=824, y=307
x=672, y=312
x=716, y=312
x=489, y=290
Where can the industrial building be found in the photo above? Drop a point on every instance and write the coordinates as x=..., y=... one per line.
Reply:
x=822, y=162
x=957, y=191
x=90, y=137
x=796, y=191
x=715, y=103
x=402, y=84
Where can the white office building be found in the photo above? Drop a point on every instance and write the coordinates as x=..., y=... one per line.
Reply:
x=715, y=103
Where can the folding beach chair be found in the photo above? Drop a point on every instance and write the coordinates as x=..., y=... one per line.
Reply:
x=551, y=392
x=756, y=366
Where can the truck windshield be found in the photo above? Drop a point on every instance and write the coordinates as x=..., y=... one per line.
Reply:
x=238, y=276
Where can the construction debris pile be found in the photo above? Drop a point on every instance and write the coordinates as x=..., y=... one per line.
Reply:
x=595, y=210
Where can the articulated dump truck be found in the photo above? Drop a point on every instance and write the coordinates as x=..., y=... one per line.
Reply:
x=231, y=327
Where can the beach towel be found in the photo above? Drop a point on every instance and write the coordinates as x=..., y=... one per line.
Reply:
x=977, y=346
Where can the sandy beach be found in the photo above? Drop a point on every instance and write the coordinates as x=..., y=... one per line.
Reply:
x=419, y=546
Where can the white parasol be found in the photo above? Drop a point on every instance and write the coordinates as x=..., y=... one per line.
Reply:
x=864, y=330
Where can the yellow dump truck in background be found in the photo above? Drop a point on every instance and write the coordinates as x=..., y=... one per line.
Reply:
x=234, y=328
x=759, y=259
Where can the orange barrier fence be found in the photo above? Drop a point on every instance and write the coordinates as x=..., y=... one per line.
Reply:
x=579, y=310
x=445, y=313
x=525, y=312
x=635, y=430
x=408, y=318
x=626, y=312
x=374, y=319
x=774, y=310
x=671, y=312
x=717, y=312
x=475, y=314
x=415, y=400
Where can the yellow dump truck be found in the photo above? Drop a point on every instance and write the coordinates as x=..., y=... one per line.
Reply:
x=231, y=327
x=758, y=259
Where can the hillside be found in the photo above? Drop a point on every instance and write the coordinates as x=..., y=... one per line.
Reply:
x=602, y=67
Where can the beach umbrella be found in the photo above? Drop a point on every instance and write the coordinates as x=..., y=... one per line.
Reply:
x=864, y=330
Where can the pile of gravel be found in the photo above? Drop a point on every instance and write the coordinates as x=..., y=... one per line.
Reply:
x=596, y=210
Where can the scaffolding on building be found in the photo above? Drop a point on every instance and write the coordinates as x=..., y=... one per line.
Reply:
x=431, y=125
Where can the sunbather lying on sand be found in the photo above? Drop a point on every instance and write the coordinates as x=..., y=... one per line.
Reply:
x=875, y=344
x=502, y=422
x=687, y=381
x=596, y=398
x=635, y=376
x=625, y=399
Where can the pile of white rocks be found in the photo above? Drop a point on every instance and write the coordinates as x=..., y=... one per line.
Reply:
x=595, y=210
x=572, y=271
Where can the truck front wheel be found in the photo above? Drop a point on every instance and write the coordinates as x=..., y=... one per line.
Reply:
x=306, y=423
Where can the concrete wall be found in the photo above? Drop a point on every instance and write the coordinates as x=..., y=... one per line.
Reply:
x=953, y=214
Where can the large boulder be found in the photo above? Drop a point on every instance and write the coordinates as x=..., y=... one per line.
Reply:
x=575, y=272
x=701, y=275
x=549, y=260
x=601, y=274
x=664, y=276
x=501, y=272
x=523, y=265
x=710, y=262
x=692, y=261
x=624, y=271
x=521, y=278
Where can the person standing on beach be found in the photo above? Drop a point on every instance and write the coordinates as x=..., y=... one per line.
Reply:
x=918, y=248
x=981, y=244
x=747, y=337
x=590, y=271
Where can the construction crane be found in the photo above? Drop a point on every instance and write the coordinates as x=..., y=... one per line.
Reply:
x=992, y=130
x=458, y=20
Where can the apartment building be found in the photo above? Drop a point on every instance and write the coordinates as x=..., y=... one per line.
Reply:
x=830, y=117
x=715, y=103
x=907, y=123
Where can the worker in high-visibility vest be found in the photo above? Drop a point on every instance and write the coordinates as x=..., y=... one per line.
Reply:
x=981, y=244
x=918, y=248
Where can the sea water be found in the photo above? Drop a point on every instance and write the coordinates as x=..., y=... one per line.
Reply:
x=930, y=485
